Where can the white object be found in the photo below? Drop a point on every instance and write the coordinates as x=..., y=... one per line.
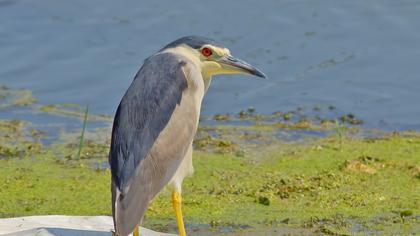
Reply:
x=59, y=225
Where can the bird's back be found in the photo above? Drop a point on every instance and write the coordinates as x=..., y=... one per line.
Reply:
x=153, y=128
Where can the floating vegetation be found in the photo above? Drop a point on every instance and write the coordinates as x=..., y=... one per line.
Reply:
x=72, y=110
x=350, y=119
x=220, y=117
x=17, y=140
x=15, y=97
x=300, y=118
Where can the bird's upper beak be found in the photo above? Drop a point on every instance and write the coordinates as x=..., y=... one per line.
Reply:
x=235, y=65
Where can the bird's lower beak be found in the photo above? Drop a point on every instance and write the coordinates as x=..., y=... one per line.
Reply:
x=234, y=65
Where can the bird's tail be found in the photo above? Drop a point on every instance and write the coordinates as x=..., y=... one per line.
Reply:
x=128, y=209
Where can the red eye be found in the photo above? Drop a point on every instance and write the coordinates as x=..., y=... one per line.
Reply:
x=206, y=52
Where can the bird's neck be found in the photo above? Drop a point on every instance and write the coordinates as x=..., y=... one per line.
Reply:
x=192, y=57
x=207, y=81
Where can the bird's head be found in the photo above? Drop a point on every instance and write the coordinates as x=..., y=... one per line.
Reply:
x=211, y=57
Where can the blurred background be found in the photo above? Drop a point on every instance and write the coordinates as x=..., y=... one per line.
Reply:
x=359, y=57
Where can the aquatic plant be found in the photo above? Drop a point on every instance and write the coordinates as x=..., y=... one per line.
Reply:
x=82, y=135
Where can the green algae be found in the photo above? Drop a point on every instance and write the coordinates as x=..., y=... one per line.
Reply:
x=15, y=97
x=247, y=180
x=18, y=141
x=319, y=186
x=298, y=119
x=71, y=110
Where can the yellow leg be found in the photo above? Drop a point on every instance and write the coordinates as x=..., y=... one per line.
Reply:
x=136, y=231
x=176, y=202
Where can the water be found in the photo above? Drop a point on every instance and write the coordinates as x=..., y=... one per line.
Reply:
x=359, y=56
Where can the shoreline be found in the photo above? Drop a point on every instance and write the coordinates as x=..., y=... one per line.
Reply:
x=282, y=173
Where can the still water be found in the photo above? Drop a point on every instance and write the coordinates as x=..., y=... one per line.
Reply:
x=360, y=56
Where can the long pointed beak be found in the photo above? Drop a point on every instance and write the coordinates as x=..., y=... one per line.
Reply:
x=232, y=63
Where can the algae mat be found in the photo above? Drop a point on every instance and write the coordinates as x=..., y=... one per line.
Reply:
x=334, y=185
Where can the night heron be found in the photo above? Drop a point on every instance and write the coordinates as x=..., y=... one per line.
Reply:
x=155, y=124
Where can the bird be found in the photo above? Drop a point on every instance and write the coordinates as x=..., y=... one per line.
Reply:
x=155, y=124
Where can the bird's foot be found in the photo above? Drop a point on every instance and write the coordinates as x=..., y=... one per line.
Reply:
x=176, y=202
x=136, y=231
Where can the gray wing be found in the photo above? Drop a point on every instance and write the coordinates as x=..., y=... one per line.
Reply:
x=143, y=113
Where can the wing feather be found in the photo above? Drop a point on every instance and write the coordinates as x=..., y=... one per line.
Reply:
x=143, y=113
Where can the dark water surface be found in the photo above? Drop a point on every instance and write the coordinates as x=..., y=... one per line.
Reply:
x=359, y=56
